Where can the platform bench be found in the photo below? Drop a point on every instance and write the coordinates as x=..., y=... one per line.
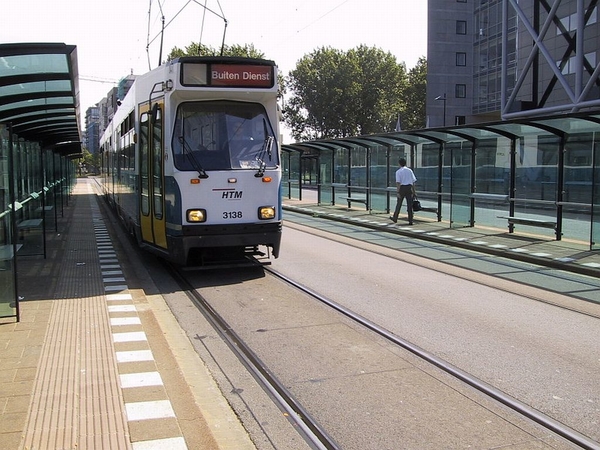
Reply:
x=357, y=200
x=530, y=222
x=29, y=224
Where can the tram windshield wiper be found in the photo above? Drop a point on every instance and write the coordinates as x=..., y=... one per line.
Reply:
x=195, y=163
x=267, y=148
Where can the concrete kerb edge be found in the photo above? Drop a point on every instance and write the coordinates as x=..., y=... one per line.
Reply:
x=227, y=430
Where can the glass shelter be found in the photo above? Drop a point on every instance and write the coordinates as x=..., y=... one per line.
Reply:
x=39, y=137
x=538, y=176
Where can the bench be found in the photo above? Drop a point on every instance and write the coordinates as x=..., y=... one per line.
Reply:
x=526, y=221
x=46, y=209
x=29, y=224
x=357, y=200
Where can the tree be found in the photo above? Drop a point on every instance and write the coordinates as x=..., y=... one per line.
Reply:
x=197, y=49
x=414, y=116
x=89, y=162
x=244, y=51
x=338, y=94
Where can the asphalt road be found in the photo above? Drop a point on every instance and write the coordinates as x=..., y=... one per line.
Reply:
x=367, y=393
x=500, y=331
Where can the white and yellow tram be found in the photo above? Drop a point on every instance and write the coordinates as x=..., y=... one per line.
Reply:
x=191, y=160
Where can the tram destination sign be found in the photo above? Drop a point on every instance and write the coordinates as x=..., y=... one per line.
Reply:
x=227, y=75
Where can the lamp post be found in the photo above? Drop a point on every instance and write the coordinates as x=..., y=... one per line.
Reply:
x=443, y=98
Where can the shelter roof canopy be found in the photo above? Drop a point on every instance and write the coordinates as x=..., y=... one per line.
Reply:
x=39, y=94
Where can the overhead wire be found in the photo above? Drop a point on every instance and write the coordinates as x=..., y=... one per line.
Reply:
x=164, y=26
x=322, y=16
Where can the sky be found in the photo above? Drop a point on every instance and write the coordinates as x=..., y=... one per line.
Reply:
x=117, y=37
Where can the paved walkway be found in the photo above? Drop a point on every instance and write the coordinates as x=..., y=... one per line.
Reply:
x=565, y=254
x=94, y=364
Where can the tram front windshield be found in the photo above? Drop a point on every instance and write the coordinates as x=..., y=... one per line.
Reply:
x=223, y=135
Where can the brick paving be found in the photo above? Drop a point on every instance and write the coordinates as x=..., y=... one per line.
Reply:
x=91, y=363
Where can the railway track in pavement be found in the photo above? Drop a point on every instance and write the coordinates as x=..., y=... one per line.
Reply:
x=359, y=389
x=286, y=386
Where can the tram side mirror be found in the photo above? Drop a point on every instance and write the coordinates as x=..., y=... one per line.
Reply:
x=156, y=113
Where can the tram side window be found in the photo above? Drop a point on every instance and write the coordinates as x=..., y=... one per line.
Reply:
x=144, y=181
x=157, y=158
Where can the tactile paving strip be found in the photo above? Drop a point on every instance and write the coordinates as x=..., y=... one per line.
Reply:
x=97, y=384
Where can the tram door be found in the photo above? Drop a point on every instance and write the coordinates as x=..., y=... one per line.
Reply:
x=152, y=217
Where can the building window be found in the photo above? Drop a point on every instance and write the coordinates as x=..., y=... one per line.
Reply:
x=460, y=90
x=461, y=27
x=461, y=59
x=570, y=22
x=570, y=66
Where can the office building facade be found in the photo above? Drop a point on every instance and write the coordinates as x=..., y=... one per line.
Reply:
x=499, y=59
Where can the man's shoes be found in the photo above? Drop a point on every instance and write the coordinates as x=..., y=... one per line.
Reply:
x=393, y=220
x=410, y=223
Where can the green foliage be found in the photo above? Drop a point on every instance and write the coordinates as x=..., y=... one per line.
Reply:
x=362, y=91
x=90, y=162
x=339, y=94
x=243, y=51
x=414, y=115
x=197, y=49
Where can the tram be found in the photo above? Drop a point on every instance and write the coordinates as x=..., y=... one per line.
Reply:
x=191, y=160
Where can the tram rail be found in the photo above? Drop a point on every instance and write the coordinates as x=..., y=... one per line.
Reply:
x=309, y=428
x=311, y=431
x=519, y=407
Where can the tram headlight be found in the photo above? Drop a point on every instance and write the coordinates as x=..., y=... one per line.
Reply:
x=196, y=215
x=266, y=212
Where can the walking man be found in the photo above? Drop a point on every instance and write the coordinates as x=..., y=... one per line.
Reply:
x=405, y=188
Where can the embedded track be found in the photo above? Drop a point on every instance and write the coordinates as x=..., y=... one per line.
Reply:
x=519, y=407
x=310, y=428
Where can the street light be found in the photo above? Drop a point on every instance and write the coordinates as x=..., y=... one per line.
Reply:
x=443, y=98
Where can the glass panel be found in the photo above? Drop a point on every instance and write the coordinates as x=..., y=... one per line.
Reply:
x=492, y=181
x=285, y=173
x=457, y=159
x=29, y=221
x=39, y=102
x=426, y=170
x=326, y=176
x=358, y=171
x=145, y=182
x=577, y=192
x=31, y=64
x=536, y=176
x=379, y=180
x=426, y=167
x=528, y=176
x=295, y=175
x=341, y=175
x=38, y=86
x=157, y=158
x=223, y=135
x=378, y=173
x=44, y=114
x=309, y=171
x=595, y=232
x=7, y=268
x=397, y=152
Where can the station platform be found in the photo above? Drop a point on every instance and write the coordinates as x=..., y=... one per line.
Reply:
x=97, y=364
x=573, y=256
